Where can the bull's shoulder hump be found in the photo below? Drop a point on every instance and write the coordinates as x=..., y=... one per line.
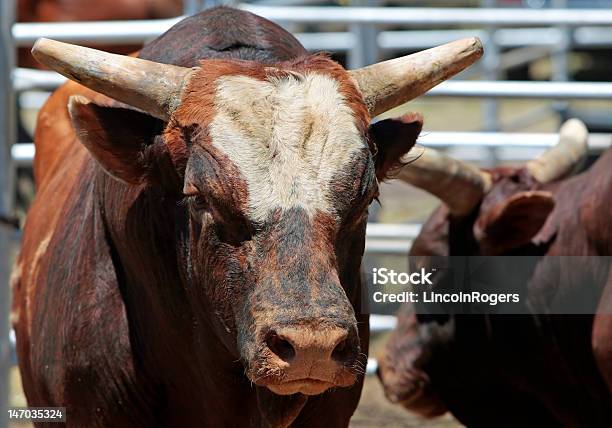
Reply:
x=223, y=32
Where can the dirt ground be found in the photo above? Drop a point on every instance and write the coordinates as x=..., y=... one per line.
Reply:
x=375, y=411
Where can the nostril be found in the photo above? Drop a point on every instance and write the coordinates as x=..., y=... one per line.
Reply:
x=342, y=351
x=280, y=346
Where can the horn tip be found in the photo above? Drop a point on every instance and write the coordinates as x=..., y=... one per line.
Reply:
x=574, y=125
x=575, y=130
x=475, y=46
x=43, y=48
x=40, y=45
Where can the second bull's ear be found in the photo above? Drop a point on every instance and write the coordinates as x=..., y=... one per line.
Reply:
x=122, y=140
x=393, y=139
x=513, y=222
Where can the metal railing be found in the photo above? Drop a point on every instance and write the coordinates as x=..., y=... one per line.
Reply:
x=430, y=17
x=128, y=32
x=7, y=137
x=136, y=32
x=362, y=21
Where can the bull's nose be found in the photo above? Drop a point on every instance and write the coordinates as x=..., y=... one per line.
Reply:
x=309, y=345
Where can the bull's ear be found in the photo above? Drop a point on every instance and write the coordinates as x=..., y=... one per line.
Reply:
x=393, y=139
x=121, y=140
x=514, y=221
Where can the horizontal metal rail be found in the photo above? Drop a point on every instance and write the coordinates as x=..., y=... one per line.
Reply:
x=27, y=79
x=520, y=89
x=503, y=37
x=136, y=32
x=496, y=17
x=23, y=154
x=387, y=246
x=112, y=32
x=118, y=33
x=381, y=323
x=393, y=231
x=536, y=140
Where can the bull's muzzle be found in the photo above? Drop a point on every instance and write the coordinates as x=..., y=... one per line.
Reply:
x=308, y=359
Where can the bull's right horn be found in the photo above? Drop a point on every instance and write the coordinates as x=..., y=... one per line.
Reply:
x=459, y=185
x=561, y=159
x=149, y=86
x=388, y=84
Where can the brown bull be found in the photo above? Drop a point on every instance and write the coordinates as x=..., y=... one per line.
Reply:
x=195, y=261
x=513, y=370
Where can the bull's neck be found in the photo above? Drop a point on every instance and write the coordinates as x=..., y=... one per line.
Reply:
x=141, y=229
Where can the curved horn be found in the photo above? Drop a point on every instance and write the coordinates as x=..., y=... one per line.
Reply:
x=149, y=86
x=561, y=159
x=387, y=84
x=459, y=185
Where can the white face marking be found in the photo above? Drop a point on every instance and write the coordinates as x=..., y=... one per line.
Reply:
x=289, y=137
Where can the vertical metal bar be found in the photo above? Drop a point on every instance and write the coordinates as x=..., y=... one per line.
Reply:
x=8, y=122
x=207, y=4
x=490, y=64
x=491, y=67
x=191, y=7
x=560, y=64
x=365, y=50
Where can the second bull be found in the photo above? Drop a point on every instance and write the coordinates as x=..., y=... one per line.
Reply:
x=513, y=370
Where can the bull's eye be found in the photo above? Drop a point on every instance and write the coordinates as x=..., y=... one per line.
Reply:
x=234, y=233
x=230, y=227
x=196, y=202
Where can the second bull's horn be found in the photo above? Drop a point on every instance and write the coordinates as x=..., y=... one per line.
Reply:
x=388, y=84
x=459, y=185
x=561, y=159
x=149, y=86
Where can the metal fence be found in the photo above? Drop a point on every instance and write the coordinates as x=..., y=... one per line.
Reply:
x=535, y=33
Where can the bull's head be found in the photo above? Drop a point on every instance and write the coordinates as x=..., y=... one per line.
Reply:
x=498, y=210
x=278, y=164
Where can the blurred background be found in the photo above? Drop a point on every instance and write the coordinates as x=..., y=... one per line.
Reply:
x=545, y=61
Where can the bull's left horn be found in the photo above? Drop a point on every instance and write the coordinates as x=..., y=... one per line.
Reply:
x=560, y=160
x=388, y=84
x=149, y=86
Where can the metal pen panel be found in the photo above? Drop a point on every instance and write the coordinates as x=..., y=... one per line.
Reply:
x=7, y=137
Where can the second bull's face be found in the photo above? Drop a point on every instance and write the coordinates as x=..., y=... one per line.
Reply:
x=510, y=216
